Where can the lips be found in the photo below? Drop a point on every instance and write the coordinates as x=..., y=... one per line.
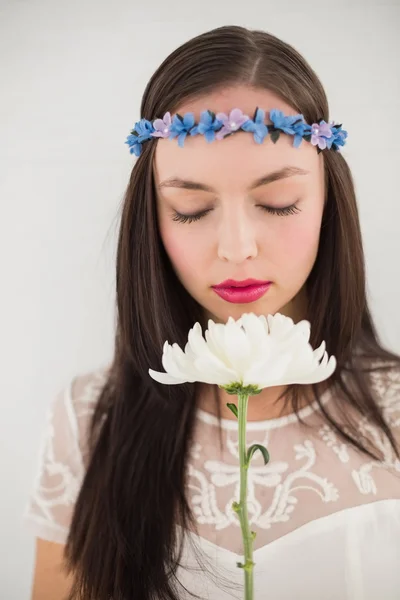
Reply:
x=242, y=294
x=228, y=283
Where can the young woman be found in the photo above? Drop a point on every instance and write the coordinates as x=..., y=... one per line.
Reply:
x=138, y=479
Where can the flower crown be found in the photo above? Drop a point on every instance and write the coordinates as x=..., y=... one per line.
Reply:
x=218, y=126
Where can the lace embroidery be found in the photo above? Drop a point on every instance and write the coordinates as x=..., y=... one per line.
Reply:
x=276, y=490
x=275, y=474
x=331, y=440
x=62, y=486
x=62, y=451
x=387, y=388
x=363, y=476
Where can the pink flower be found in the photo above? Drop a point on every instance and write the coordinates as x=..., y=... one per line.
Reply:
x=320, y=133
x=230, y=124
x=162, y=126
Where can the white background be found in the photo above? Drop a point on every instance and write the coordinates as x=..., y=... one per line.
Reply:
x=71, y=78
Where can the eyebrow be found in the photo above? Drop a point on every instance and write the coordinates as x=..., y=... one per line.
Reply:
x=283, y=173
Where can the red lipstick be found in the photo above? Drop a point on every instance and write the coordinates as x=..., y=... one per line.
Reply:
x=242, y=292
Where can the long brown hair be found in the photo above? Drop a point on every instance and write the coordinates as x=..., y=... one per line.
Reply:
x=122, y=543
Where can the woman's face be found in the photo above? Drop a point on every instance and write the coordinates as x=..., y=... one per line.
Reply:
x=236, y=237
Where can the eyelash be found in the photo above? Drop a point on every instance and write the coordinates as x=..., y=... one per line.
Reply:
x=280, y=212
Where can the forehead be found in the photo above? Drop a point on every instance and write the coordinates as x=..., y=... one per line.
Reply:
x=237, y=159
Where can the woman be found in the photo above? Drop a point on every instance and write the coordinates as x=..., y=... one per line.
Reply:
x=141, y=463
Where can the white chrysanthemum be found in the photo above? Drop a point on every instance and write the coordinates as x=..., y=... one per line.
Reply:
x=252, y=351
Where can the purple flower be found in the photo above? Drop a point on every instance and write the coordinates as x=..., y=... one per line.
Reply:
x=257, y=126
x=207, y=126
x=320, y=133
x=232, y=123
x=162, y=126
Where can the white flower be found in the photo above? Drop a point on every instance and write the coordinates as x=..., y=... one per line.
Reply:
x=254, y=350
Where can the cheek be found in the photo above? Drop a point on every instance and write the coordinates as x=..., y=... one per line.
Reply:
x=185, y=250
x=297, y=244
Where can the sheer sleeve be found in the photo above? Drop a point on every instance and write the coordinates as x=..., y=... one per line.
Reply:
x=61, y=461
x=387, y=387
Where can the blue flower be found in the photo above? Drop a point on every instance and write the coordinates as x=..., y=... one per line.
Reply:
x=144, y=128
x=300, y=129
x=283, y=123
x=207, y=126
x=292, y=125
x=257, y=126
x=135, y=147
x=141, y=132
x=338, y=138
x=181, y=126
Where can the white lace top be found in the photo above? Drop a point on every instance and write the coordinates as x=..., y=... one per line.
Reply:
x=327, y=517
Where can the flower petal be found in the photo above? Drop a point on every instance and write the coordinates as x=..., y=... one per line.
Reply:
x=165, y=378
x=181, y=138
x=214, y=373
x=188, y=120
x=256, y=333
x=260, y=115
x=209, y=135
x=270, y=372
x=236, y=347
x=159, y=124
x=236, y=115
x=316, y=375
x=172, y=363
x=214, y=346
x=184, y=363
x=222, y=132
x=304, y=369
x=196, y=341
x=222, y=117
x=319, y=352
x=216, y=336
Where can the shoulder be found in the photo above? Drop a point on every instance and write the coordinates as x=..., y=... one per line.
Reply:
x=81, y=398
x=62, y=456
x=70, y=412
x=385, y=382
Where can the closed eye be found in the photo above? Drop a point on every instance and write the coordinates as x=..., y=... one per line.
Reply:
x=189, y=218
x=284, y=211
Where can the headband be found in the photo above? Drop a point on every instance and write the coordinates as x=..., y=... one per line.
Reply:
x=325, y=136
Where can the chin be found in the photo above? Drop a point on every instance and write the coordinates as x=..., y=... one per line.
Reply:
x=237, y=310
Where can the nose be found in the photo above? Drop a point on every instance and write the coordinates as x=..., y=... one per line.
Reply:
x=237, y=238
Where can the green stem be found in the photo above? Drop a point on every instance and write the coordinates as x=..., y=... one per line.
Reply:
x=242, y=506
